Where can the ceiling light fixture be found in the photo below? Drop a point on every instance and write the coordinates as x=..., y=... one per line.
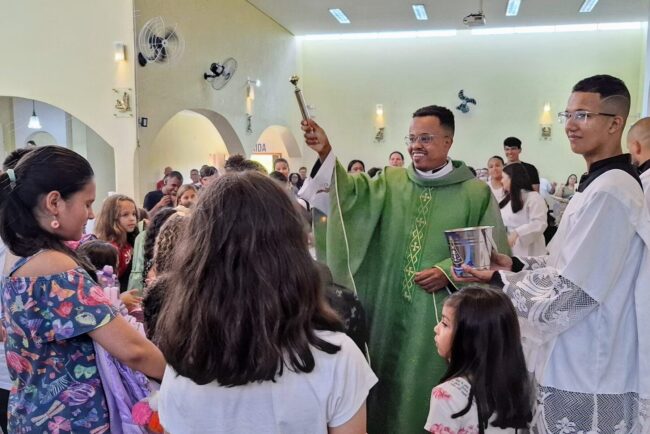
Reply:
x=340, y=16
x=513, y=8
x=420, y=12
x=34, y=121
x=588, y=6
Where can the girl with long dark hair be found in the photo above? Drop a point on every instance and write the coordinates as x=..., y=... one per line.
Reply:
x=250, y=343
x=524, y=212
x=486, y=387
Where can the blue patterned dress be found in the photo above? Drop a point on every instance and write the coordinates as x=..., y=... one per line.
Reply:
x=56, y=385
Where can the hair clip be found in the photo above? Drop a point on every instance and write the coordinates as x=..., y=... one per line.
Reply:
x=12, y=178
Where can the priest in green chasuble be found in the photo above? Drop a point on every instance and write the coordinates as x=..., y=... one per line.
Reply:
x=385, y=239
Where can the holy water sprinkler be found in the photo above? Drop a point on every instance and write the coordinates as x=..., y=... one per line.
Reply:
x=301, y=101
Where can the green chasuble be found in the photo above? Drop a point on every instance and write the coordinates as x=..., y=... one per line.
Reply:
x=380, y=232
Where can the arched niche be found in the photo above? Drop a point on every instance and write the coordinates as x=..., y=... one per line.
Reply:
x=58, y=127
x=190, y=139
x=277, y=141
x=41, y=138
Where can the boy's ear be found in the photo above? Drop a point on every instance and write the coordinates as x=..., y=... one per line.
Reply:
x=634, y=146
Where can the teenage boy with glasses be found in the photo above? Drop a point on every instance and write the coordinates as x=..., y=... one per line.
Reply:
x=584, y=308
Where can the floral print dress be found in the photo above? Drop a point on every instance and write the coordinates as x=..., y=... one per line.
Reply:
x=56, y=385
x=449, y=398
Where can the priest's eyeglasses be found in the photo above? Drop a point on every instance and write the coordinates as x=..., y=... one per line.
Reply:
x=579, y=116
x=425, y=139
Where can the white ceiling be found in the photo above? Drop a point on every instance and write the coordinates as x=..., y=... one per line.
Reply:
x=303, y=17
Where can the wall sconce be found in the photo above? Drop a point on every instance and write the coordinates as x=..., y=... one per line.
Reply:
x=546, y=123
x=119, y=51
x=34, y=122
x=379, y=123
x=250, y=97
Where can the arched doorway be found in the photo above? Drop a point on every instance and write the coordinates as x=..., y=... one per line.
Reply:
x=277, y=141
x=188, y=140
x=58, y=127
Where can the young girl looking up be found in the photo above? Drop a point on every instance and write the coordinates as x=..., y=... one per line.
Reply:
x=117, y=223
x=53, y=309
x=486, y=387
x=285, y=367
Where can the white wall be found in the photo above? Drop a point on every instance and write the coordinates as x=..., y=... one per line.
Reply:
x=214, y=31
x=61, y=53
x=511, y=76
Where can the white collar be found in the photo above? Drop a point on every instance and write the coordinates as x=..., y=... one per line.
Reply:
x=444, y=171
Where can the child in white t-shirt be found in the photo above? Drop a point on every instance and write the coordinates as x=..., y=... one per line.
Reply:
x=486, y=387
x=250, y=344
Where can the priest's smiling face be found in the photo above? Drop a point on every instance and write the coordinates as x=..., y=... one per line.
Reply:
x=433, y=155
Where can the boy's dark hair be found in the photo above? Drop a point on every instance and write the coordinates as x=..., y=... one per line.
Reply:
x=99, y=253
x=444, y=115
x=278, y=176
x=512, y=142
x=174, y=174
x=42, y=170
x=238, y=163
x=611, y=89
x=244, y=269
x=14, y=156
x=396, y=152
x=519, y=180
x=486, y=351
x=207, y=171
x=280, y=160
x=373, y=171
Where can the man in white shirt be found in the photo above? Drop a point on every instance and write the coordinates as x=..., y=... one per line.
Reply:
x=638, y=143
x=584, y=307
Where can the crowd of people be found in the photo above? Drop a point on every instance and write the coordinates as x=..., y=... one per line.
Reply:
x=207, y=311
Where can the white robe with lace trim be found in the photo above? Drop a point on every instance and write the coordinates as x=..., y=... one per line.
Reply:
x=585, y=313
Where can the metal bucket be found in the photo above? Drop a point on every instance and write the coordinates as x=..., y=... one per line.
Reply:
x=470, y=246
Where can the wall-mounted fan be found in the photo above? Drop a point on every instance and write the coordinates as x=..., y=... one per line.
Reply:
x=221, y=73
x=158, y=43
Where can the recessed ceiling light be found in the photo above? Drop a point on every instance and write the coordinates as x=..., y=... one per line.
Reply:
x=588, y=5
x=340, y=16
x=513, y=8
x=420, y=12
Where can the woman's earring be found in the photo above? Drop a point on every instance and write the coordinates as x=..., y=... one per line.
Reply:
x=55, y=224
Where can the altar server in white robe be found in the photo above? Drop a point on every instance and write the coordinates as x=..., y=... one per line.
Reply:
x=638, y=143
x=585, y=307
x=524, y=212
